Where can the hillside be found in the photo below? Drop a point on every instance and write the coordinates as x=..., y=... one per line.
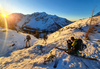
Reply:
x=40, y=21
x=98, y=14
x=32, y=58
x=11, y=41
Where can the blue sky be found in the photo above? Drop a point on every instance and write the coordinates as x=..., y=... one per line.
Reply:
x=69, y=9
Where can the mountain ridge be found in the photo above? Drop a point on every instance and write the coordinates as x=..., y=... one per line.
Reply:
x=41, y=21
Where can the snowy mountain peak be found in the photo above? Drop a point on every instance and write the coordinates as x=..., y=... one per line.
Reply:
x=40, y=14
x=42, y=21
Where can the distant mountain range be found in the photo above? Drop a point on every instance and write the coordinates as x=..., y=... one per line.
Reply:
x=40, y=21
x=37, y=21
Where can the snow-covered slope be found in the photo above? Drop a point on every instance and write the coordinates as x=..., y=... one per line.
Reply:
x=10, y=38
x=84, y=23
x=32, y=58
x=98, y=14
x=43, y=21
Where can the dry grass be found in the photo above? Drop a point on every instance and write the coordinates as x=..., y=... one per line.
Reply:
x=91, y=26
x=90, y=30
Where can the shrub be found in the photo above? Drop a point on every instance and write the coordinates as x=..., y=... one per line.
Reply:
x=91, y=27
x=37, y=34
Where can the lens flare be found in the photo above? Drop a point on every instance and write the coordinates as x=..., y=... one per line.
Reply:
x=4, y=15
x=6, y=30
x=4, y=47
x=6, y=26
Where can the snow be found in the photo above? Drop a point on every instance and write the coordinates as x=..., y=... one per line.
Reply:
x=98, y=14
x=7, y=39
x=24, y=19
x=32, y=58
x=43, y=21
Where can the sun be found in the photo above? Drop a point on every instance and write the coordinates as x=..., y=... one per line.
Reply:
x=4, y=15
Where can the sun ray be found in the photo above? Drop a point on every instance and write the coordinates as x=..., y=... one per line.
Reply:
x=6, y=30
